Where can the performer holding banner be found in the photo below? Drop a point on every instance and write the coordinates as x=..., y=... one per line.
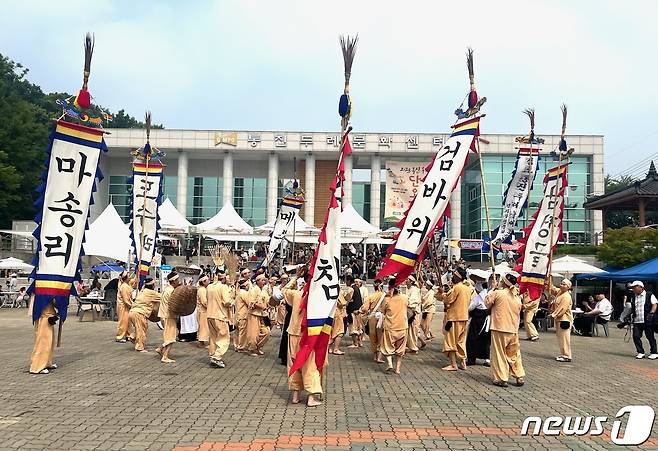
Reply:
x=432, y=199
x=146, y=197
x=321, y=292
x=65, y=195
x=290, y=206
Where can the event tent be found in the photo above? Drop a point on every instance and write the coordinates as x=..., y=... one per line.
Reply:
x=108, y=236
x=647, y=270
x=298, y=226
x=571, y=265
x=352, y=224
x=170, y=219
x=227, y=220
x=15, y=263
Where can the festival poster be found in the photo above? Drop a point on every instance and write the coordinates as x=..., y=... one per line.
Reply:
x=402, y=182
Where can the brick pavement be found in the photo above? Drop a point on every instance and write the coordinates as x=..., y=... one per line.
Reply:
x=104, y=396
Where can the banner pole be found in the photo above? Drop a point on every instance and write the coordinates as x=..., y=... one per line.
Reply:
x=486, y=210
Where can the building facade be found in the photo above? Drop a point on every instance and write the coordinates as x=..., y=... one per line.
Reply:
x=207, y=168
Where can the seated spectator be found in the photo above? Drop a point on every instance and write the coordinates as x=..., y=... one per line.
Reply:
x=23, y=297
x=601, y=313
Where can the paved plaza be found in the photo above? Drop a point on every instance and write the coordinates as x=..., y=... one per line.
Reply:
x=105, y=396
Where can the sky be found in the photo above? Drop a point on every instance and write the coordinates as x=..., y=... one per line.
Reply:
x=276, y=65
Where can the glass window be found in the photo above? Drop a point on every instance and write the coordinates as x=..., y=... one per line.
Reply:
x=250, y=199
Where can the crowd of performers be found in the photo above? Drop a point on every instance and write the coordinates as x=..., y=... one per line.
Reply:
x=396, y=319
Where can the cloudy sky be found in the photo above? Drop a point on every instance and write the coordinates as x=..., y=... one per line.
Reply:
x=277, y=64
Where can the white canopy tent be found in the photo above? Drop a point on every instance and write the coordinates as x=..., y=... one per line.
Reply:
x=171, y=220
x=108, y=236
x=299, y=226
x=569, y=266
x=352, y=224
x=15, y=263
x=228, y=221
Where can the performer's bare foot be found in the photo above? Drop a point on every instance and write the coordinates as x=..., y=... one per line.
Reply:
x=338, y=352
x=389, y=369
x=353, y=346
x=143, y=351
x=313, y=401
x=462, y=366
x=158, y=350
x=331, y=351
x=253, y=354
x=167, y=360
x=449, y=368
x=397, y=371
x=295, y=396
x=260, y=352
x=52, y=366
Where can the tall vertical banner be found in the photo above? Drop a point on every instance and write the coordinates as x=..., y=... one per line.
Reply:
x=402, y=182
x=515, y=198
x=65, y=196
x=290, y=206
x=430, y=203
x=146, y=198
x=540, y=236
x=321, y=292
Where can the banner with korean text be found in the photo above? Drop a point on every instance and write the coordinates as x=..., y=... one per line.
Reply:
x=146, y=198
x=65, y=195
x=542, y=234
x=431, y=201
x=515, y=198
x=323, y=284
x=288, y=211
x=402, y=182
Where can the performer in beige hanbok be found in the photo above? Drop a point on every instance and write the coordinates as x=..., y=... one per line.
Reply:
x=220, y=302
x=147, y=299
x=124, y=302
x=563, y=317
x=428, y=308
x=203, y=333
x=414, y=305
x=257, y=332
x=456, y=302
x=338, y=327
x=44, y=341
x=168, y=319
x=394, y=340
x=243, y=299
x=530, y=308
x=308, y=377
x=505, y=308
x=371, y=309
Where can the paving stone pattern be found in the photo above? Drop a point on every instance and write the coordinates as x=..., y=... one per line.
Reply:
x=105, y=396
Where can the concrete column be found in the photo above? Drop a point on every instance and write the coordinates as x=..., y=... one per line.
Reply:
x=375, y=189
x=227, y=179
x=181, y=187
x=272, y=185
x=455, y=231
x=309, y=189
x=347, y=191
x=598, y=187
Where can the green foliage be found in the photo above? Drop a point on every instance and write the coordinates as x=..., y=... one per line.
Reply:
x=628, y=246
x=614, y=184
x=26, y=114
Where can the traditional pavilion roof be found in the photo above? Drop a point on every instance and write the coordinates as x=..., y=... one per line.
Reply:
x=627, y=197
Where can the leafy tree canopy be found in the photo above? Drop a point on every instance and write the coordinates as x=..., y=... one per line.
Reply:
x=26, y=113
x=628, y=246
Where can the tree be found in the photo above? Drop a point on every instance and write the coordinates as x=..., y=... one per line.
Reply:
x=628, y=246
x=27, y=115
